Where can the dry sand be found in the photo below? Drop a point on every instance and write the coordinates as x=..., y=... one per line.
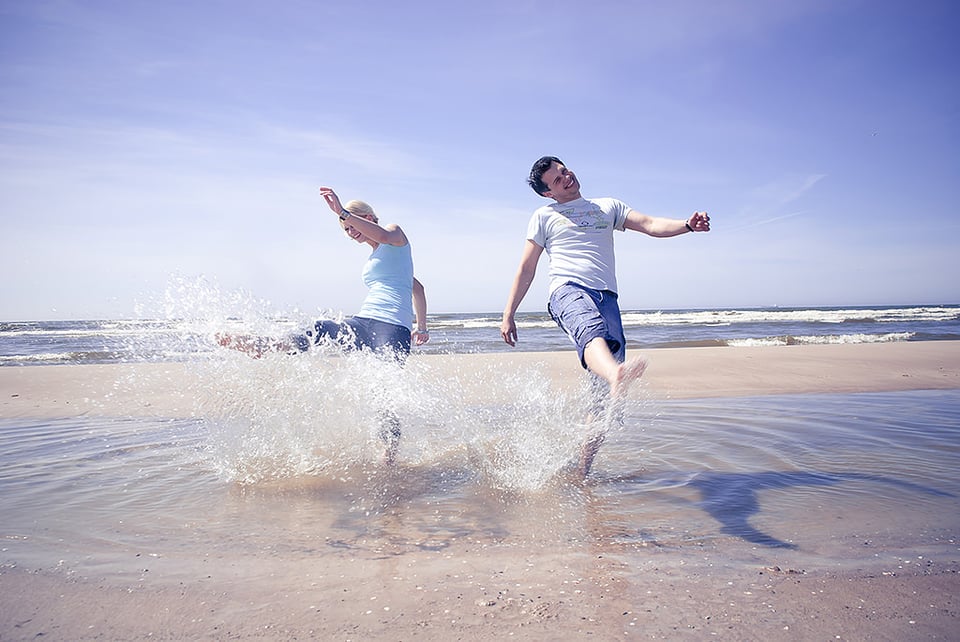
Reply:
x=496, y=593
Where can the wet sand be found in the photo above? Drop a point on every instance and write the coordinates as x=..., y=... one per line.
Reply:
x=484, y=595
x=474, y=590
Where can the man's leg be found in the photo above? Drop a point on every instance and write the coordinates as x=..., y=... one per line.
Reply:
x=592, y=321
x=587, y=453
x=602, y=363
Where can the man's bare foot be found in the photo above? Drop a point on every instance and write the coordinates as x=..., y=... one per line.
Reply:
x=628, y=372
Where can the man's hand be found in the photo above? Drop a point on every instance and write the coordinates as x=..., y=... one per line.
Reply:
x=699, y=222
x=508, y=330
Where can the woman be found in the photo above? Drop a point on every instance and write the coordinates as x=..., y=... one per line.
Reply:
x=385, y=317
x=384, y=321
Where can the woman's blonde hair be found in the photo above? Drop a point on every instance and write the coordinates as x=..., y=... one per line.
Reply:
x=359, y=208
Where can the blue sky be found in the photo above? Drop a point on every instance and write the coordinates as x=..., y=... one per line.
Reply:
x=145, y=141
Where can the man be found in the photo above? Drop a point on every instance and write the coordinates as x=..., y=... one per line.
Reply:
x=577, y=234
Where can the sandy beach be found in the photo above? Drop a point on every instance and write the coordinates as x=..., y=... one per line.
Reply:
x=477, y=590
x=68, y=391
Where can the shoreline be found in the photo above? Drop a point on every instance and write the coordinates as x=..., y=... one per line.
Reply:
x=674, y=373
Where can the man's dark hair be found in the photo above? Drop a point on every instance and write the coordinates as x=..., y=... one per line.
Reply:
x=535, y=180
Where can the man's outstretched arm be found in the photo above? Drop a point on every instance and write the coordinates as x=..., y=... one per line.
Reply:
x=662, y=227
x=521, y=283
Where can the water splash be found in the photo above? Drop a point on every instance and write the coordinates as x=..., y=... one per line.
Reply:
x=320, y=413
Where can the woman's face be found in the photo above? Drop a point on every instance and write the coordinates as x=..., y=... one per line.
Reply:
x=353, y=232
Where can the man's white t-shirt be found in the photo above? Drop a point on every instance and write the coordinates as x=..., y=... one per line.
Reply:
x=578, y=238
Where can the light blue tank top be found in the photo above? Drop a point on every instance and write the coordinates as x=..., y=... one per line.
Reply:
x=388, y=273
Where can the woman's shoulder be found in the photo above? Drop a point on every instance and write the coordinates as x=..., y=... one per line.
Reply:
x=397, y=237
x=402, y=246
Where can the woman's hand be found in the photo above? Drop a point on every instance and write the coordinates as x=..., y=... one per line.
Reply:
x=332, y=199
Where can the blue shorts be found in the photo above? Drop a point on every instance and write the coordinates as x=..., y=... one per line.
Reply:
x=357, y=333
x=585, y=315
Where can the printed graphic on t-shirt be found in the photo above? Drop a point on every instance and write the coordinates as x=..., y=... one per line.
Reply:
x=592, y=219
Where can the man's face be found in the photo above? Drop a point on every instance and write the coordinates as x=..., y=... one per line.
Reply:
x=562, y=184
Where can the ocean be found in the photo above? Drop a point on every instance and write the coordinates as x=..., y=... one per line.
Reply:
x=187, y=337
